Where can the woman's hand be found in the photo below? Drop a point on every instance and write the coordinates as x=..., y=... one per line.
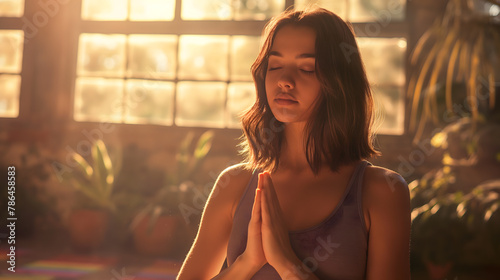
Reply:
x=254, y=254
x=275, y=239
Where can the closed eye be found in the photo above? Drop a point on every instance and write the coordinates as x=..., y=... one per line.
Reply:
x=309, y=72
x=273, y=68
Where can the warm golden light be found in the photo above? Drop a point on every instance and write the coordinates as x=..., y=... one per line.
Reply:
x=339, y=7
x=104, y=10
x=10, y=86
x=200, y=104
x=244, y=50
x=206, y=10
x=101, y=55
x=98, y=99
x=11, y=8
x=152, y=56
x=384, y=63
x=384, y=59
x=11, y=51
x=240, y=96
x=381, y=11
x=203, y=57
x=152, y=10
x=149, y=102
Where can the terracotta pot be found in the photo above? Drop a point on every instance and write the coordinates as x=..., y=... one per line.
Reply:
x=438, y=271
x=87, y=228
x=160, y=239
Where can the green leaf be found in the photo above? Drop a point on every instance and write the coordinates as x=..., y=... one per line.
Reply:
x=108, y=175
x=490, y=210
x=82, y=164
x=204, y=144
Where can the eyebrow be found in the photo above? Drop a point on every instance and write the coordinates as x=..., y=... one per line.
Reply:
x=303, y=55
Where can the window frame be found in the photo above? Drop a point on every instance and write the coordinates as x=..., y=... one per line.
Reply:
x=71, y=25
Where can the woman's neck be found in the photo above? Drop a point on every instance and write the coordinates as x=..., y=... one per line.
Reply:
x=293, y=153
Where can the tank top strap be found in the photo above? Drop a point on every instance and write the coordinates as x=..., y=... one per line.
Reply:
x=358, y=192
x=249, y=190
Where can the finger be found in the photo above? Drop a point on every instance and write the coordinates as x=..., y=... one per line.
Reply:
x=269, y=196
x=265, y=212
x=256, y=210
x=269, y=183
x=262, y=181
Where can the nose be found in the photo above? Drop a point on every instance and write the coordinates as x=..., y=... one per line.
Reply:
x=286, y=81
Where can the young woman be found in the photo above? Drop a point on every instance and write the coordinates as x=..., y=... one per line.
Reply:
x=306, y=204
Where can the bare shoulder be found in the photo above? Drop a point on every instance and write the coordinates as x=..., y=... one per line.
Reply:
x=384, y=188
x=234, y=177
x=236, y=174
x=382, y=179
x=231, y=184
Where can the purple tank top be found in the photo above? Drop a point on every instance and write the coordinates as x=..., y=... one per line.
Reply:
x=334, y=249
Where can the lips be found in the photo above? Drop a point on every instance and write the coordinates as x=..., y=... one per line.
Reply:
x=285, y=99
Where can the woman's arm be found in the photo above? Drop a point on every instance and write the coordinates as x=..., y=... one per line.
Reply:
x=388, y=200
x=208, y=252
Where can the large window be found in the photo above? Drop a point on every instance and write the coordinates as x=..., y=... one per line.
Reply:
x=191, y=72
x=11, y=55
x=187, y=62
x=202, y=78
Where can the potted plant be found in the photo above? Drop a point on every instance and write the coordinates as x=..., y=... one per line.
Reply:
x=455, y=216
x=453, y=85
x=93, y=181
x=155, y=227
x=480, y=210
x=454, y=66
x=438, y=232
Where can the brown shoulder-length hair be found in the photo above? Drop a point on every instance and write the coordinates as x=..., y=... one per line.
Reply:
x=339, y=129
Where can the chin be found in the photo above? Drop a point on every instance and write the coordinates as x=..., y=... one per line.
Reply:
x=288, y=116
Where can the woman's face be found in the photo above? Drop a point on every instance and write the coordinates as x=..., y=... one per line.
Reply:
x=292, y=86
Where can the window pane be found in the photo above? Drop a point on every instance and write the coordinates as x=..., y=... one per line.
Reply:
x=389, y=106
x=11, y=8
x=152, y=56
x=384, y=60
x=206, y=9
x=257, y=9
x=101, y=55
x=339, y=7
x=200, y=104
x=10, y=86
x=203, y=57
x=244, y=51
x=382, y=11
x=149, y=10
x=104, y=9
x=240, y=96
x=149, y=102
x=98, y=99
x=11, y=51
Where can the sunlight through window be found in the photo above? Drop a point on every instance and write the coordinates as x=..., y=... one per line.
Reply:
x=11, y=8
x=200, y=103
x=384, y=63
x=104, y=9
x=195, y=70
x=11, y=54
x=203, y=57
x=361, y=10
x=152, y=10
